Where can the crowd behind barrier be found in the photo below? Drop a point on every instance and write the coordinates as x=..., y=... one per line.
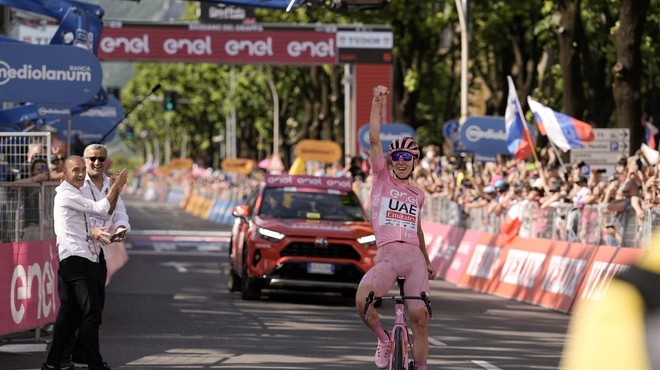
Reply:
x=576, y=224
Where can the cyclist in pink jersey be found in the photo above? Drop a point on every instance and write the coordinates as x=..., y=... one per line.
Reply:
x=396, y=207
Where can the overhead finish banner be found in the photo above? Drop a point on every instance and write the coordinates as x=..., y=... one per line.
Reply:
x=48, y=74
x=245, y=43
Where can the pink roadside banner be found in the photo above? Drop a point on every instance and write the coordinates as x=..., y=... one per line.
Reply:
x=462, y=256
x=441, y=245
x=28, y=285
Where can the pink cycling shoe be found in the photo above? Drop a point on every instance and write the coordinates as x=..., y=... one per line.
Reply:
x=382, y=356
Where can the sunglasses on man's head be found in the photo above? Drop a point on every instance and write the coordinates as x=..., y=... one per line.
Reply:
x=407, y=157
x=94, y=159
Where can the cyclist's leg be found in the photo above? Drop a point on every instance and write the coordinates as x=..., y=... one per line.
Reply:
x=378, y=279
x=416, y=282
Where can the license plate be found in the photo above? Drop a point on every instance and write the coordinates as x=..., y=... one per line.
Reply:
x=320, y=268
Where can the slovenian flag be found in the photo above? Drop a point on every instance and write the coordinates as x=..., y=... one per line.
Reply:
x=520, y=141
x=563, y=130
x=650, y=131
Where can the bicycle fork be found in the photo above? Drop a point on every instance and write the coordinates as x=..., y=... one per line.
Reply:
x=400, y=344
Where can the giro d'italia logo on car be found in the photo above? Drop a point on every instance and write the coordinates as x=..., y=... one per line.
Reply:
x=31, y=72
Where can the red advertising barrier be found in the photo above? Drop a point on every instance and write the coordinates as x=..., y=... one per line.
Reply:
x=606, y=263
x=484, y=261
x=522, y=267
x=28, y=285
x=548, y=273
x=563, y=274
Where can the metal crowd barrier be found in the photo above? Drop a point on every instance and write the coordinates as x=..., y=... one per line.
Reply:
x=563, y=222
x=26, y=211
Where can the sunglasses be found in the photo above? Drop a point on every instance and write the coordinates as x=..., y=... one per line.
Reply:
x=407, y=157
x=94, y=159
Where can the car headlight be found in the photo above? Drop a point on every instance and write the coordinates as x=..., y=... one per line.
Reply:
x=367, y=241
x=270, y=235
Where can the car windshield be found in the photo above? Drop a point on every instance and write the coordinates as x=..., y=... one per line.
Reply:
x=283, y=203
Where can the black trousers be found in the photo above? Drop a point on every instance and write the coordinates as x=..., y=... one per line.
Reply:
x=82, y=309
x=73, y=349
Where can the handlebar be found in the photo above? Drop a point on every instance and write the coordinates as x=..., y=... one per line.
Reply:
x=371, y=298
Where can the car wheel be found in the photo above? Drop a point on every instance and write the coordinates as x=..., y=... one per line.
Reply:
x=233, y=281
x=250, y=291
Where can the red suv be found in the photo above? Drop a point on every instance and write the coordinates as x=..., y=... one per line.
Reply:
x=301, y=233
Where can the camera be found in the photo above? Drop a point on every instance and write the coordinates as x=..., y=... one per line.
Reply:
x=601, y=170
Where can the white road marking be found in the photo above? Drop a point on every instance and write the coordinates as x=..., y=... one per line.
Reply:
x=436, y=342
x=23, y=348
x=486, y=365
x=180, y=267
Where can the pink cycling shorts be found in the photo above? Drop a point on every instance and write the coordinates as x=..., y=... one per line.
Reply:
x=399, y=259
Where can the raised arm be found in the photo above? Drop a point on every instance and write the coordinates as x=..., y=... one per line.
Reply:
x=118, y=182
x=375, y=147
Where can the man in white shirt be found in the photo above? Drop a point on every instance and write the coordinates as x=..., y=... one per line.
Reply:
x=79, y=261
x=96, y=187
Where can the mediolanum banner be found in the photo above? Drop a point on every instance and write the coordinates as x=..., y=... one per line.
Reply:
x=48, y=74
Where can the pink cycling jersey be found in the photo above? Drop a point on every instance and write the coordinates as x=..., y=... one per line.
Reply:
x=395, y=207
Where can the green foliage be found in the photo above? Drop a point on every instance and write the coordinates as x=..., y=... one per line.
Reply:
x=120, y=160
x=507, y=38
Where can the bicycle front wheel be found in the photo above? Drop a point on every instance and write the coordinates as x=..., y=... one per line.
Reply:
x=398, y=362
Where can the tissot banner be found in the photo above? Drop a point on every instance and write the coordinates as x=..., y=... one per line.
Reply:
x=48, y=74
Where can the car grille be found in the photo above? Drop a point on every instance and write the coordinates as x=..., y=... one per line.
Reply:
x=344, y=273
x=341, y=251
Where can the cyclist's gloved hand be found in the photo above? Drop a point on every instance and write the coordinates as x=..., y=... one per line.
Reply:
x=431, y=270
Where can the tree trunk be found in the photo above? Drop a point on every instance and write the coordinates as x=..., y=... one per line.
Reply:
x=568, y=30
x=627, y=70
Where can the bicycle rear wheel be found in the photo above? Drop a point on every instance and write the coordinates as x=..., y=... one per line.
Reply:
x=398, y=362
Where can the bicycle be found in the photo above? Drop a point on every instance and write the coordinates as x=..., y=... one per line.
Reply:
x=401, y=347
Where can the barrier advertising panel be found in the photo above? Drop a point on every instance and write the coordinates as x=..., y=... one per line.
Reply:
x=606, y=263
x=484, y=262
x=28, y=285
x=521, y=273
x=442, y=243
x=462, y=256
x=563, y=274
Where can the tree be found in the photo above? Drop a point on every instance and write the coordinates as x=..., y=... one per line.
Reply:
x=628, y=68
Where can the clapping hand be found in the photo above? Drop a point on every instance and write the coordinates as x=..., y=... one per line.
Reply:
x=100, y=234
x=119, y=179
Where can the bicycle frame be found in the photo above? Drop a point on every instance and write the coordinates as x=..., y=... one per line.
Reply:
x=401, y=347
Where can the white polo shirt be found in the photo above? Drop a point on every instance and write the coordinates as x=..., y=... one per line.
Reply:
x=71, y=213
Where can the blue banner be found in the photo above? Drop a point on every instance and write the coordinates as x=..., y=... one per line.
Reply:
x=484, y=135
x=48, y=74
x=388, y=132
x=451, y=130
x=90, y=125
